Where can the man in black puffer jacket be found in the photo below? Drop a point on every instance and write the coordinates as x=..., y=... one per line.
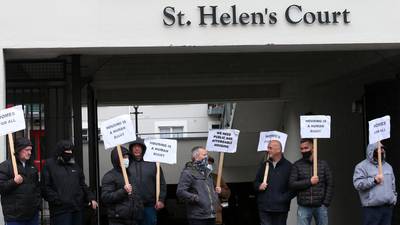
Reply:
x=314, y=193
x=64, y=187
x=121, y=200
x=20, y=195
x=145, y=174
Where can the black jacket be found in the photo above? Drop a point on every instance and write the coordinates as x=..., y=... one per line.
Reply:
x=277, y=196
x=198, y=192
x=64, y=185
x=121, y=207
x=145, y=174
x=19, y=202
x=308, y=195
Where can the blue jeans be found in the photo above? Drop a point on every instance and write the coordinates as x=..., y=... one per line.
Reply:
x=305, y=214
x=149, y=216
x=70, y=218
x=33, y=221
x=379, y=215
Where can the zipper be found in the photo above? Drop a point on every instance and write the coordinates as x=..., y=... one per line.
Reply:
x=209, y=196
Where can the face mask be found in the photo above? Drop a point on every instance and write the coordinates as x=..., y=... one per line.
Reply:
x=306, y=155
x=210, y=167
x=126, y=163
x=66, y=156
x=202, y=163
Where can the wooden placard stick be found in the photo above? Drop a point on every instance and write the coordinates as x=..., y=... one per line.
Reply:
x=12, y=153
x=315, y=157
x=380, y=158
x=121, y=164
x=158, y=182
x=220, y=166
x=266, y=170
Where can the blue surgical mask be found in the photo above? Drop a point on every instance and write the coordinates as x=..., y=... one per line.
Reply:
x=126, y=162
x=210, y=167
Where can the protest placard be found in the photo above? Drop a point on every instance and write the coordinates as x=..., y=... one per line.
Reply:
x=315, y=126
x=267, y=136
x=115, y=132
x=12, y=120
x=222, y=140
x=379, y=129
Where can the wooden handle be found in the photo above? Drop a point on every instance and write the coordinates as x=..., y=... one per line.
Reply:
x=380, y=158
x=12, y=153
x=220, y=166
x=121, y=164
x=266, y=170
x=158, y=182
x=315, y=157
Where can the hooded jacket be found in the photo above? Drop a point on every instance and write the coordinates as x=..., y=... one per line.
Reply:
x=145, y=174
x=64, y=183
x=372, y=194
x=121, y=207
x=19, y=202
x=198, y=192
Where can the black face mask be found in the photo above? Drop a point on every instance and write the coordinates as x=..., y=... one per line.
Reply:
x=306, y=155
x=66, y=156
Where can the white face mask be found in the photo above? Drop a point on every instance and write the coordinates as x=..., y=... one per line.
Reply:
x=126, y=163
x=210, y=167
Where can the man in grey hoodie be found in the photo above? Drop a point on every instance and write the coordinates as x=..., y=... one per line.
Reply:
x=377, y=192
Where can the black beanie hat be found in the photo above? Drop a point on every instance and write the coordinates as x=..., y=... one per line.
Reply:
x=22, y=143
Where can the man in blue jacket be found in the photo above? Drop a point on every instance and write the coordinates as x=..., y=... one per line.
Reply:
x=274, y=196
x=377, y=192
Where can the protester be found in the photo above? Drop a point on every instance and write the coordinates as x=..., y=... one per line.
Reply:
x=273, y=196
x=377, y=191
x=64, y=187
x=20, y=194
x=314, y=192
x=196, y=189
x=120, y=198
x=145, y=174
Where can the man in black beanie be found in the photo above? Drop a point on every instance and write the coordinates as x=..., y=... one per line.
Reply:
x=64, y=187
x=20, y=194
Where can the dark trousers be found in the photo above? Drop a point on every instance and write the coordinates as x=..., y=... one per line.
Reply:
x=202, y=222
x=33, y=221
x=70, y=218
x=379, y=215
x=273, y=218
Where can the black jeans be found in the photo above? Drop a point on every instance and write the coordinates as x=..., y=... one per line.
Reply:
x=71, y=218
x=202, y=221
x=379, y=215
x=273, y=218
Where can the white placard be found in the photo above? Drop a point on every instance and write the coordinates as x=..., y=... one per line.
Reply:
x=267, y=136
x=161, y=150
x=315, y=126
x=223, y=140
x=379, y=129
x=117, y=131
x=12, y=120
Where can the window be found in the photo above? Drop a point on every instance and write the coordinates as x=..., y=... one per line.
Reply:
x=171, y=132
